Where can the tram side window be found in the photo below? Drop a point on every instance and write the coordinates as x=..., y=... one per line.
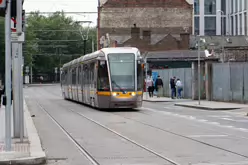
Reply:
x=92, y=67
x=79, y=75
x=139, y=76
x=103, y=79
x=86, y=72
x=74, y=76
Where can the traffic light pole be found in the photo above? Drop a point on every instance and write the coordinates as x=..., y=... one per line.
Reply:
x=20, y=60
x=8, y=77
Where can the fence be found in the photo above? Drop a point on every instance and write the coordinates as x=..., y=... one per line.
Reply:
x=230, y=82
x=185, y=75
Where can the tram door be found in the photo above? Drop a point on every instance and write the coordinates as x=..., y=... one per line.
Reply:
x=86, y=84
x=70, y=83
x=92, y=83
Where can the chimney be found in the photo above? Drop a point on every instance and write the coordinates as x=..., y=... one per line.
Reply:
x=185, y=40
x=135, y=32
x=147, y=36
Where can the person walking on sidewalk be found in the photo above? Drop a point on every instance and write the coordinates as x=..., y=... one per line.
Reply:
x=173, y=88
x=159, y=86
x=150, y=86
x=179, y=86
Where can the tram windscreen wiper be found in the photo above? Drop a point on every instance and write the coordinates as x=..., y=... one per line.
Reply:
x=118, y=86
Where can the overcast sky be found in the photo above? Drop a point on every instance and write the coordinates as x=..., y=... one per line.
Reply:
x=67, y=6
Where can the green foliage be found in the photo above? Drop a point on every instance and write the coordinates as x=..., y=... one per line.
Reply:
x=43, y=51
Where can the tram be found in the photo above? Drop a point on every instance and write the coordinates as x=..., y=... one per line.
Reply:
x=107, y=78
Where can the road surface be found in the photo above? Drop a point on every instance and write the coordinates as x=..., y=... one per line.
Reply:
x=156, y=134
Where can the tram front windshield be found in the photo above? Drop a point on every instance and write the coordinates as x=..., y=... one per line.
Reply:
x=122, y=71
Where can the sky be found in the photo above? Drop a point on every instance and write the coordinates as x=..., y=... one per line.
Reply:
x=66, y=6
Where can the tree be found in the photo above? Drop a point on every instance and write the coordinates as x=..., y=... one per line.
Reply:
x=52, y=41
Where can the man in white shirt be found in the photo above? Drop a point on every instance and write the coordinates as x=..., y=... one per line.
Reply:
x=179, y=86
x=149, y=85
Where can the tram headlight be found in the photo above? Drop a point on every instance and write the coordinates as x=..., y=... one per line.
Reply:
x=114, y=94
x=133, y=94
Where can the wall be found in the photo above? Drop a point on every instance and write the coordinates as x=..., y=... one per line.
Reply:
x=230, y=82
x=185, y=76
x=160, y=18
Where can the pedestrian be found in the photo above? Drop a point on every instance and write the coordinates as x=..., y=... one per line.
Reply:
x=159, y=86
x=150, y=86
x=179, y=86
x=173, y=87
x=41, y=79
x=1, y=93
x=4, y=98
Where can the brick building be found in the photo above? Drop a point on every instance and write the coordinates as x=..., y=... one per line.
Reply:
x=149, y=25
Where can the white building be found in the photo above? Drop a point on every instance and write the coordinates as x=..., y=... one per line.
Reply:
x=208, y=15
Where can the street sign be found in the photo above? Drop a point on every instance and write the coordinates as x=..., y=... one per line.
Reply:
x=17, y=39
x=27, y=69
x=2, y=3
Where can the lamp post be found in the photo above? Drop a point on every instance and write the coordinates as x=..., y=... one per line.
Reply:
x=222, y=33
x=199, y=67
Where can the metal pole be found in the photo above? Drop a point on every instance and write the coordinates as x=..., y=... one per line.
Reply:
x=15, y=86
x=199, y=71
x=146, y=78
x=8, y=77
x=20, y=61
x=21, y=124
x=84, y=47
x=31, y=70
x=93, y=45
x=223, y=38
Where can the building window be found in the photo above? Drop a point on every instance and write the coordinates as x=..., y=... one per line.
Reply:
x=197, y=25
x=223, y=6
x=240, y=24
x=236, y=24
x=210, y=7
x=232, y=24
x=223, y=25
x=196, y=7
x=232, y=5
x=210, y=26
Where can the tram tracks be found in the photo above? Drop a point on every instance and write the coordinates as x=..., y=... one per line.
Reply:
x=116, y=132
x=182, y=136
x=86, y=153
x=79, y=146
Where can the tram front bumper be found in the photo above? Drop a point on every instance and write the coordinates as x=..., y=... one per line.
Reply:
x=126, y=101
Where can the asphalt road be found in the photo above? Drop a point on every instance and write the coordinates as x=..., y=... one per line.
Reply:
x=157, y=134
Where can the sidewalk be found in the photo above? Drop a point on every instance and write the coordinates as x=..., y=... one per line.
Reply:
x=161, y=99
x=28, y=152
x=205, y=105
x=211, y=105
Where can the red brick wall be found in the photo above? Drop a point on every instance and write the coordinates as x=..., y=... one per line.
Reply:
x=161, y=17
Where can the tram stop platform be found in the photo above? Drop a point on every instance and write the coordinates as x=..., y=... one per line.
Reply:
x=27, y=152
